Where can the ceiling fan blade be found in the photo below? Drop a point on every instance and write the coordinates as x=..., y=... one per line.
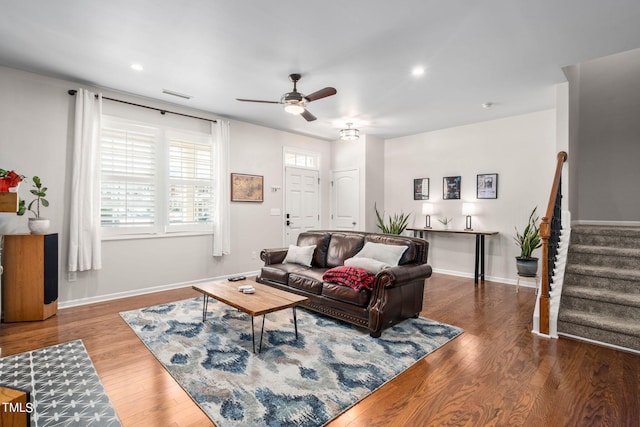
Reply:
x=257, y=100
x=308, y=116
x=322, y=93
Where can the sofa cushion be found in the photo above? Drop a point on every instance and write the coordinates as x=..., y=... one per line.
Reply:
x=346, y=294
x=343, y=246
x=280, y=272
x=321, y=240
x=409, y=255
x=300, y=255
x=309, y=280
x=388, y=254
x=369, y=264
x=353, y=277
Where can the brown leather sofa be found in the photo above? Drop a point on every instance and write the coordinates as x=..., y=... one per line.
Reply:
x=397, y=291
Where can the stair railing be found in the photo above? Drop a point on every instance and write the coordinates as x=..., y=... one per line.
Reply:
x=550, y=228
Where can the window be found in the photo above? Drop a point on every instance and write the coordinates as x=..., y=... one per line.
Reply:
x=300, y=159
x=155, y=180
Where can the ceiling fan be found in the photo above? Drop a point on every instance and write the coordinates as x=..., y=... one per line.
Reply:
x=294, y=102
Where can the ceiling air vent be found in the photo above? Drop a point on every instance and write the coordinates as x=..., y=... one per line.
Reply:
x=178, y=94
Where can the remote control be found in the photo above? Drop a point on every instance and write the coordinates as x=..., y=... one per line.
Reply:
x=236, y=278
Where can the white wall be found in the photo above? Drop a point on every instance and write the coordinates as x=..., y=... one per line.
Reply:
x=521, y=150
x=375, y=176
x=36, y=116
x=605, y=136
x=365, y=154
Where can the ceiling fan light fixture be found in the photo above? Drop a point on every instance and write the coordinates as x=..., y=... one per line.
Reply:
x=349, y=134
x=294, y=108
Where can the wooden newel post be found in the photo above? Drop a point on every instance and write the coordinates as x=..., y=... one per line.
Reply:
x=545, y=233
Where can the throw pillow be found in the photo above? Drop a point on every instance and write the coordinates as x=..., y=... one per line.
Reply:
x=300, y=255
x=388, y=254
x=353, y=277
x=369, y=264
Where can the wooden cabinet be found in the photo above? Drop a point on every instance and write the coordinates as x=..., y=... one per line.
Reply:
x=30, y=279
x=14, y=409
x=8, y=202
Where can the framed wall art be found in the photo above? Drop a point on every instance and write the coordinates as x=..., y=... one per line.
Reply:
x=421, y=189
x=451, y=187
x=247, y=188
x=487, y=186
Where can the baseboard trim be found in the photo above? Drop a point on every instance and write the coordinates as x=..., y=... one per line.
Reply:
x=603, y=344
x=541, y=335
x=526, y=284
x=144, y=291
x=606, y=223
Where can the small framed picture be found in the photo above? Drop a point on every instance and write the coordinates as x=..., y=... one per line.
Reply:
x=247, y=188
x=421, y=189
x=451, y=187
x=487, y=186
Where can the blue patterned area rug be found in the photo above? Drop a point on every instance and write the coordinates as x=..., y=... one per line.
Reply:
x=304, y=382
x=64, y=386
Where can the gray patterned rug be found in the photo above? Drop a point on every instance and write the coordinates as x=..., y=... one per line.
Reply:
x=303, y=382
x=63, y=384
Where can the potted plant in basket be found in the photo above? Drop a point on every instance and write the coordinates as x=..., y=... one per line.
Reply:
x=37, y=224
x=528, y=241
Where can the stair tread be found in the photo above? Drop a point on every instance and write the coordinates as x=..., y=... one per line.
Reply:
x=605, y=295
x=603, y=322
x=590, y=270
x=607, y=230
x=606, y=250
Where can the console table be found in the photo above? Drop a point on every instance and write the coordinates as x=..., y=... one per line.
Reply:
x=478, y=272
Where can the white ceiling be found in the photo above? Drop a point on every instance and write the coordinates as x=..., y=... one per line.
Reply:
x=510, y=53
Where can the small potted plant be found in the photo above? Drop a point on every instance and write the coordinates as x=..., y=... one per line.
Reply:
x=37, y=224
x=445, y=221
x=528, y=241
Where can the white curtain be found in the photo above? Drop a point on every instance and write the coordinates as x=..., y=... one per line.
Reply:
x=84, y=218
x=221, y=227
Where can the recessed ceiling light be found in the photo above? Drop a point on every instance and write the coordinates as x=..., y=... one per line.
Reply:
x=137, y=67
x=417, y=71
x=487, y=105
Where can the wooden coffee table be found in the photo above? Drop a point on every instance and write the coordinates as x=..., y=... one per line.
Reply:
x=265, y=300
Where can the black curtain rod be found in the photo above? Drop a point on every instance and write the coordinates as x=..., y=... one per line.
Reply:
x=73, y=92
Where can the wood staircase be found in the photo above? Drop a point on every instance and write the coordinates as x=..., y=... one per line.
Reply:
x=601, y=292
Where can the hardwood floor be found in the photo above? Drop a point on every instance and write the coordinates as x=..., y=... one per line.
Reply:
x=496, y=373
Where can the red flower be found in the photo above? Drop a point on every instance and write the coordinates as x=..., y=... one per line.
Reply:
x=10, y=180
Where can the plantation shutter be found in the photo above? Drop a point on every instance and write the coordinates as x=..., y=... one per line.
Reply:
x=129, y=184
x=190, y=184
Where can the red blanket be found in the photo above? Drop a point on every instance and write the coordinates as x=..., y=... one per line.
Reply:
x=355, y=278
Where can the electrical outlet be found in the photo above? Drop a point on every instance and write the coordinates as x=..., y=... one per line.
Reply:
x=72, y=276
x=254, y=255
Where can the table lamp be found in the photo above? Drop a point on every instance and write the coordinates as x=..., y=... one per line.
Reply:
x=468, y=209
x=427, y=209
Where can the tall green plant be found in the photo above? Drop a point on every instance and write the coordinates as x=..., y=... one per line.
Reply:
x=396, y=225
x=529, y=240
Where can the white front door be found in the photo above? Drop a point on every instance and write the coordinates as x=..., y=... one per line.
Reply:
x=345, y=200
x=302, y=202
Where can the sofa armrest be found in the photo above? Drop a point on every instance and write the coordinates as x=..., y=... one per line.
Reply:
x=402, y=274
x=273, y=256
